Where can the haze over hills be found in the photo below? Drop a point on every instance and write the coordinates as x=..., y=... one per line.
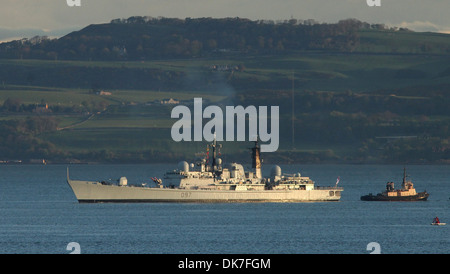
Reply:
x=362, y=92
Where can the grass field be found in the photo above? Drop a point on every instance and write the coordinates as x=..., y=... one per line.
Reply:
x=129, y=125
x=403, y=42
x=312, y=71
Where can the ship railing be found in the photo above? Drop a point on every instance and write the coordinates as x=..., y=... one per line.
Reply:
x=329, y=188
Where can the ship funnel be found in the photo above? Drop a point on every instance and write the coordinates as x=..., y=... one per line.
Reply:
x=256, y=160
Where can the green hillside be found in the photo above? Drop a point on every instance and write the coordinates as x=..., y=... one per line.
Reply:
x=362, y=93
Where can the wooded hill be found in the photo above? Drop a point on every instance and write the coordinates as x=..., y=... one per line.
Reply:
x=348, y=92
x=147, y=38
x=141, y=38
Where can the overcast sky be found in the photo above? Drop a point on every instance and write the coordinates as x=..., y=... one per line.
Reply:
x=26, y=18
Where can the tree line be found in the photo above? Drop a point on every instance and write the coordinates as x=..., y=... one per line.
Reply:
x=19, y=138
x=15, y=105
x=140, y=38
x=379, y=128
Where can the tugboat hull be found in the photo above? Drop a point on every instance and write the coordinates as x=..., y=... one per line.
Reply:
x=422, y=196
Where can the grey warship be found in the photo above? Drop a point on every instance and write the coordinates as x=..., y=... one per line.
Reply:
x=210, y=183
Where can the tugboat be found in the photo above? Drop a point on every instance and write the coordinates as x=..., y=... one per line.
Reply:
x=406, y=193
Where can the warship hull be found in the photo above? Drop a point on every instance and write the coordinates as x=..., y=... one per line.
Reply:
x=96, y=192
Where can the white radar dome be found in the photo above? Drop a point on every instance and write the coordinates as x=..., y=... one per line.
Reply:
x=275, y=171
x=183, y=166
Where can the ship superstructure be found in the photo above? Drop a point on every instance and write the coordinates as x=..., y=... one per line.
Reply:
x=207, y=180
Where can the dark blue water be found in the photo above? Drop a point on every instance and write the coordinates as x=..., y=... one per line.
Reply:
x=39, y=214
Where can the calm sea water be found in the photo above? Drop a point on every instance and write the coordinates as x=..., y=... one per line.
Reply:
x=39, y=214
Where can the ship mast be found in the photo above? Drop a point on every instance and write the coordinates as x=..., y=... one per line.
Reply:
x=407, y=184
x=215, y=147
x=404, y=178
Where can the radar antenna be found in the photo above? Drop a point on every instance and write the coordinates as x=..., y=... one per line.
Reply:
x=215, y=150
